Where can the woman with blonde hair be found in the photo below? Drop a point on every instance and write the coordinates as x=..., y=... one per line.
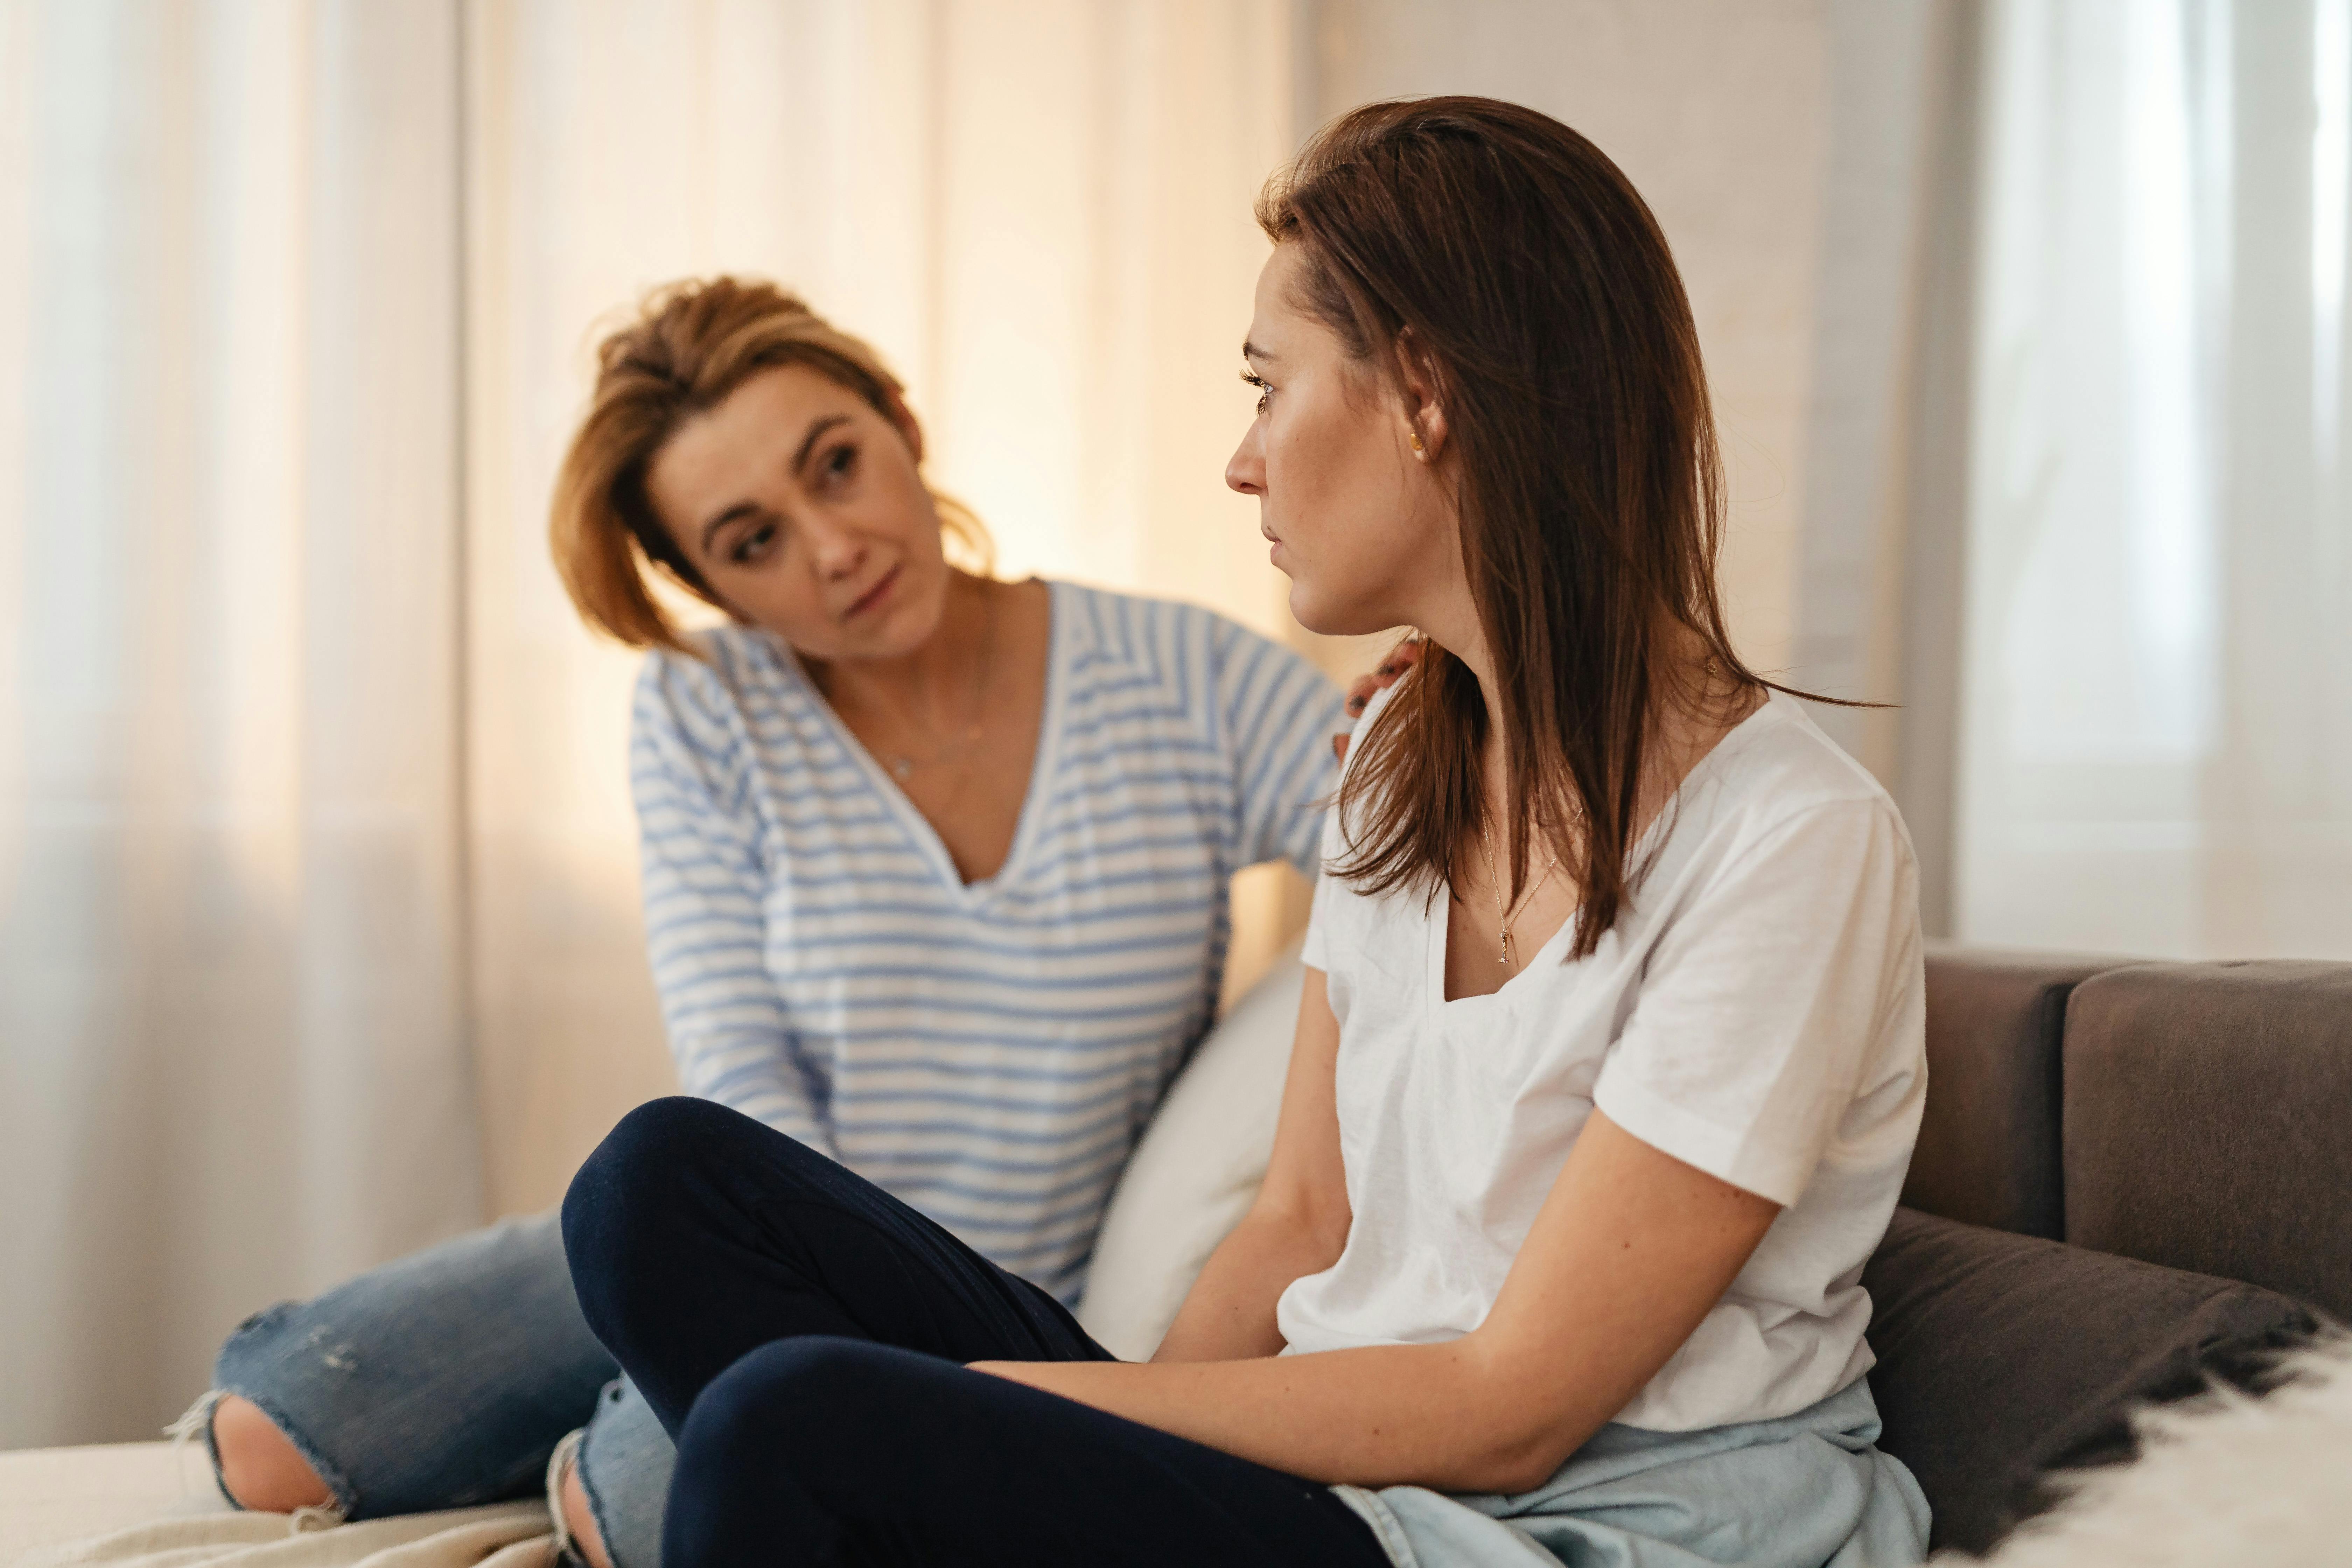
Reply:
x=1610, y=1058
x=935, y=872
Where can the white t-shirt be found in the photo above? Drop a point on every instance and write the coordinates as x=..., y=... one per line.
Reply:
x=1758, y=1011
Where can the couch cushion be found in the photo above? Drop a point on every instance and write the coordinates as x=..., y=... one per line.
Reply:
x=51, y=1496
x=1988, y=1149
x=2002, y=1354
x=2209, y=1121
x=1196, y=1171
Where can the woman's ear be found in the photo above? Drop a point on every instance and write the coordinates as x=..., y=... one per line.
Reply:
x=1425, y=414
x=904, y=418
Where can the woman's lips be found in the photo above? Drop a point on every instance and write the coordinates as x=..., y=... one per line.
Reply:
x=872, y=596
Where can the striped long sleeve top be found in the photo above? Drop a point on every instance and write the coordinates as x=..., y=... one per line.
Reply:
x=987, y=1052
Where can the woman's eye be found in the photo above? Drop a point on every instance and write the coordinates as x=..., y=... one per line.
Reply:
x=1265, y=392
x=753, y=545
x=839, y=461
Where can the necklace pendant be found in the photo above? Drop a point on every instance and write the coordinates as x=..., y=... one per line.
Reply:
x=1506, y=947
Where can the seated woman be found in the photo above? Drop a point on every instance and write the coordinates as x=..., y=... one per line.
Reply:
x=935, y=884
x=1610, y=1060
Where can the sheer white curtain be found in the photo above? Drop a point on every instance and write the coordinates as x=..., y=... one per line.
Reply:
x=318, y=913
x=2157, y=711
x=233, y=1057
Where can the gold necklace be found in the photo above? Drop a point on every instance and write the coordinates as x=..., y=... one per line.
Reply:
x=1503, y=916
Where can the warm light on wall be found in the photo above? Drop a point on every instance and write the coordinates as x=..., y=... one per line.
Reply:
x=1062, y=279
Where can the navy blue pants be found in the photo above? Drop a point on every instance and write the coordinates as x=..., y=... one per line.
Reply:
x=802, y=1334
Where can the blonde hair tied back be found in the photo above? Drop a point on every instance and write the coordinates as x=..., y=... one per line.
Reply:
x=688, y=346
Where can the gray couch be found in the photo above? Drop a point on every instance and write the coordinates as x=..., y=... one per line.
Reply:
x=2131, y=1178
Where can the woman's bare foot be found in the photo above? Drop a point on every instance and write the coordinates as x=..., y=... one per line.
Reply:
x=260, y=1466
x=580, y=1519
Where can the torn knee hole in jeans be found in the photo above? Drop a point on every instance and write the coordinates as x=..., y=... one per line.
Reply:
x=560, y=1467
x=196, y=1421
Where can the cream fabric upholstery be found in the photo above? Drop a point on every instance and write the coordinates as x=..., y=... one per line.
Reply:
x=1193, y=1175
x=53, y=1495
x=143, y=1505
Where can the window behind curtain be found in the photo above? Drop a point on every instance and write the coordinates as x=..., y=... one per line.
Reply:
x=2157, y=724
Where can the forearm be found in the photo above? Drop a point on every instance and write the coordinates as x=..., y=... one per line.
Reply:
x=1627, y=1255
x=1443, y=1416
x=1229, y=1313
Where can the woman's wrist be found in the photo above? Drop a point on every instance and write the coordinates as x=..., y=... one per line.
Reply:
x=1230, y=1314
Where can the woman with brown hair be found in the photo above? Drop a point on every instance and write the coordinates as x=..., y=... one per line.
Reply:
x=1610, y=1060
x=935, y=878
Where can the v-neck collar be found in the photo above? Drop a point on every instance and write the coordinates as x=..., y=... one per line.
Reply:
x=922, y=836
x=1437, y=923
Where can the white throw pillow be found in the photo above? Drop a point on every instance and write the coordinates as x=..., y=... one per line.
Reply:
x=1196, y=1171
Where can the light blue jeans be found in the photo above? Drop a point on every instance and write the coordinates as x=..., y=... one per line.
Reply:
x=448, y=1379
x=1806, y=1491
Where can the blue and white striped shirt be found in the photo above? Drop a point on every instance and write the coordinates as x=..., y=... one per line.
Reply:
x=989, y=1053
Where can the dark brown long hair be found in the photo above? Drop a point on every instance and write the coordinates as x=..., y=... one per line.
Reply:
x=1519, y=269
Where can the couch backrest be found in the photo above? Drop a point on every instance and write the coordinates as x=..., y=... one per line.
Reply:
x=1989, y=1144
x=2194, y=1115
x=2207, y=1122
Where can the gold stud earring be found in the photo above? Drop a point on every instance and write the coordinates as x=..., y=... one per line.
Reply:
x=1415, y=437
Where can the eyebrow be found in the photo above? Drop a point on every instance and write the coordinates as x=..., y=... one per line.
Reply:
x=741, y=509
x=1251, y=351
x=808, y=442
x=800, y=461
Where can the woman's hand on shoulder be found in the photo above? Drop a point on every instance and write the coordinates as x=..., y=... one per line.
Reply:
x=1402, y=658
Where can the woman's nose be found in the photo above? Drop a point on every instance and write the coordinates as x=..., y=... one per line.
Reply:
x=838, y=551
x=1245, y=469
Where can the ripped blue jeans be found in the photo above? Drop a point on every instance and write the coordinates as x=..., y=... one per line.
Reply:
x=446, y=1379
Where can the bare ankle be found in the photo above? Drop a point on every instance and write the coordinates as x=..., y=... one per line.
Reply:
x=580, y=1519
x=259, y=1464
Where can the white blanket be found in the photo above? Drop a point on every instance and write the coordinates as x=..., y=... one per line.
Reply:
x=511, y=1535
x=141, y=1505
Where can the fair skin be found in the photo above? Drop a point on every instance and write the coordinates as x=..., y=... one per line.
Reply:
x=1632, y=1247
x=803, y=509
